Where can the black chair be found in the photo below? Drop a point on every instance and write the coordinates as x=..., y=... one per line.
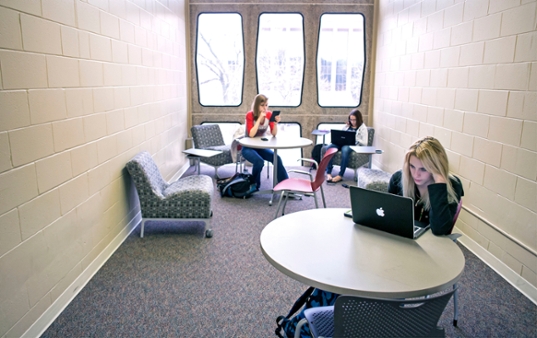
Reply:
x=354, y=316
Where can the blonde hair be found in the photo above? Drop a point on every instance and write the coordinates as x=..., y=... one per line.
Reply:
x=258, y=100
x=433, y=156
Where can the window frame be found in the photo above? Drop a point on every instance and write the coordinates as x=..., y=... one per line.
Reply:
x=304, y=60
x=241, y=94
x=364, y=55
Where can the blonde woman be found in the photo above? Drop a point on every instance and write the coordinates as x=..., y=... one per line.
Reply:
x=258, y=124
x=426, y=179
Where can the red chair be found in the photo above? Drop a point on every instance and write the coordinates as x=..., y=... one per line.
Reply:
x=304, y=186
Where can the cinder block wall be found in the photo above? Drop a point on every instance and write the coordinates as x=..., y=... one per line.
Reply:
x=466, y=73
x=84, y=86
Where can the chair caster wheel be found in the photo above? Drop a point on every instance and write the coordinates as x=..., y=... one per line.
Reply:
x=208, y=233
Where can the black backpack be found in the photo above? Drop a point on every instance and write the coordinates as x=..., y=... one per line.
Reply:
x=239, y=186
x=316, y=153
x=312, y=297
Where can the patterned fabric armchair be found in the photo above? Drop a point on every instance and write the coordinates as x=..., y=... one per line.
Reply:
x=357, y=160
x=187, y=199
x=373, y=179
x=210, y=137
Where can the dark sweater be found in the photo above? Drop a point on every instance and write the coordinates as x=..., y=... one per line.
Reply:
x=441, y=214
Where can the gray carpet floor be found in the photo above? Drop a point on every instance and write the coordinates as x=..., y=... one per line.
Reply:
x=176, y=283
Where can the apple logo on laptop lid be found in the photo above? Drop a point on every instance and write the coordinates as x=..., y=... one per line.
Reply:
x=380, y=212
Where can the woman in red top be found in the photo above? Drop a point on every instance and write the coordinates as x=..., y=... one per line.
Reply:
x=258, y=125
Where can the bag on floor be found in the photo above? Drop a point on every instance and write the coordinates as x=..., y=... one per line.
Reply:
x=239, y=186
x=316, y=153
x=311, y=298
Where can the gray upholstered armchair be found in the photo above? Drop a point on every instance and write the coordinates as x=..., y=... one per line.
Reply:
x=210, y=137
x=187, y=199
x=357, y=160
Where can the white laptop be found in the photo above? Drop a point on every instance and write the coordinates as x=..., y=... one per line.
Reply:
x=386, y=212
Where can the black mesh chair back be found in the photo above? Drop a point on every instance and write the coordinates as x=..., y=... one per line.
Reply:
x=366, y=317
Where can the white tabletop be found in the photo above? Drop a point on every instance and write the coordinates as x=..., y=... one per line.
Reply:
x=324, y=249
x=202, y=152
x=275, y=142
x=320, y=132
x=364, y=149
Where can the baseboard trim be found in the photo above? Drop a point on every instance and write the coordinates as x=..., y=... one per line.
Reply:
x=180, y=172
x=50, y=315
x=500, y=268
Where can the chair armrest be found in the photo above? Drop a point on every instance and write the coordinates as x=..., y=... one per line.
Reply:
x=301, y=172
x=310, y=161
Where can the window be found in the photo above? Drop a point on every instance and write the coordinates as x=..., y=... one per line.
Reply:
x=220, y=59
x=280, y=58
x=340, y=60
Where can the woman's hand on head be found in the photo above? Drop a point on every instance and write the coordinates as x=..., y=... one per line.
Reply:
x=438, y=178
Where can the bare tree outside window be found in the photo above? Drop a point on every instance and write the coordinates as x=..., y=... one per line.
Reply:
x=280, y=58
x=220, y=59
x=340, y=60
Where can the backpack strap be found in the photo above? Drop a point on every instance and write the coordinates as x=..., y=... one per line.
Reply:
x=296, y=306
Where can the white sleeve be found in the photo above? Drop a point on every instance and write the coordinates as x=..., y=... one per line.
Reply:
x=362, y=137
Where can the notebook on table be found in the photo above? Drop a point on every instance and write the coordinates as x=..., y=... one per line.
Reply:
x=343, y=137
x=386, y=212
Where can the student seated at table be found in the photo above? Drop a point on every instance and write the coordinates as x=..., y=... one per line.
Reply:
x=258, y=125
x=426, y=179
x=355, y=122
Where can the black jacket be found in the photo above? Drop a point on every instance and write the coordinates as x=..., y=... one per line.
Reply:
x=441, y=214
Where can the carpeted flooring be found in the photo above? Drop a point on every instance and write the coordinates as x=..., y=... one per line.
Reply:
x=176, y=283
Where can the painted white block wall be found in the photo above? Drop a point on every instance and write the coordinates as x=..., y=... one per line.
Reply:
x=471, y=85
x=84, y=86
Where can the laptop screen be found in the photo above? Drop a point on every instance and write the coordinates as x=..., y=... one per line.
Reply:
x=383, y=211
x=343, y=137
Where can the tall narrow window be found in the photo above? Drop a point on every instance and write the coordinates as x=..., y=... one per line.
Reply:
x=280, y=58
x=340, y=60
x=220, y=59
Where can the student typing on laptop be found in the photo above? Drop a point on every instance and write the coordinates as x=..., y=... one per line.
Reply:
x=355, y=122
x=425, y=178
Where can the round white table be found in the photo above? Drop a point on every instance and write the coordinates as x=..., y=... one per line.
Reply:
x=274, y=143
x=324, y=249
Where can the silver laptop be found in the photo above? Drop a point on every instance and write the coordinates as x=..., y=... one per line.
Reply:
x=386, y=212
x=343, y=137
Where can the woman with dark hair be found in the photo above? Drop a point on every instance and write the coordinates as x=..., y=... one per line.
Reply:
x=258, y=124
x=426, y=179
x=355, y=122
